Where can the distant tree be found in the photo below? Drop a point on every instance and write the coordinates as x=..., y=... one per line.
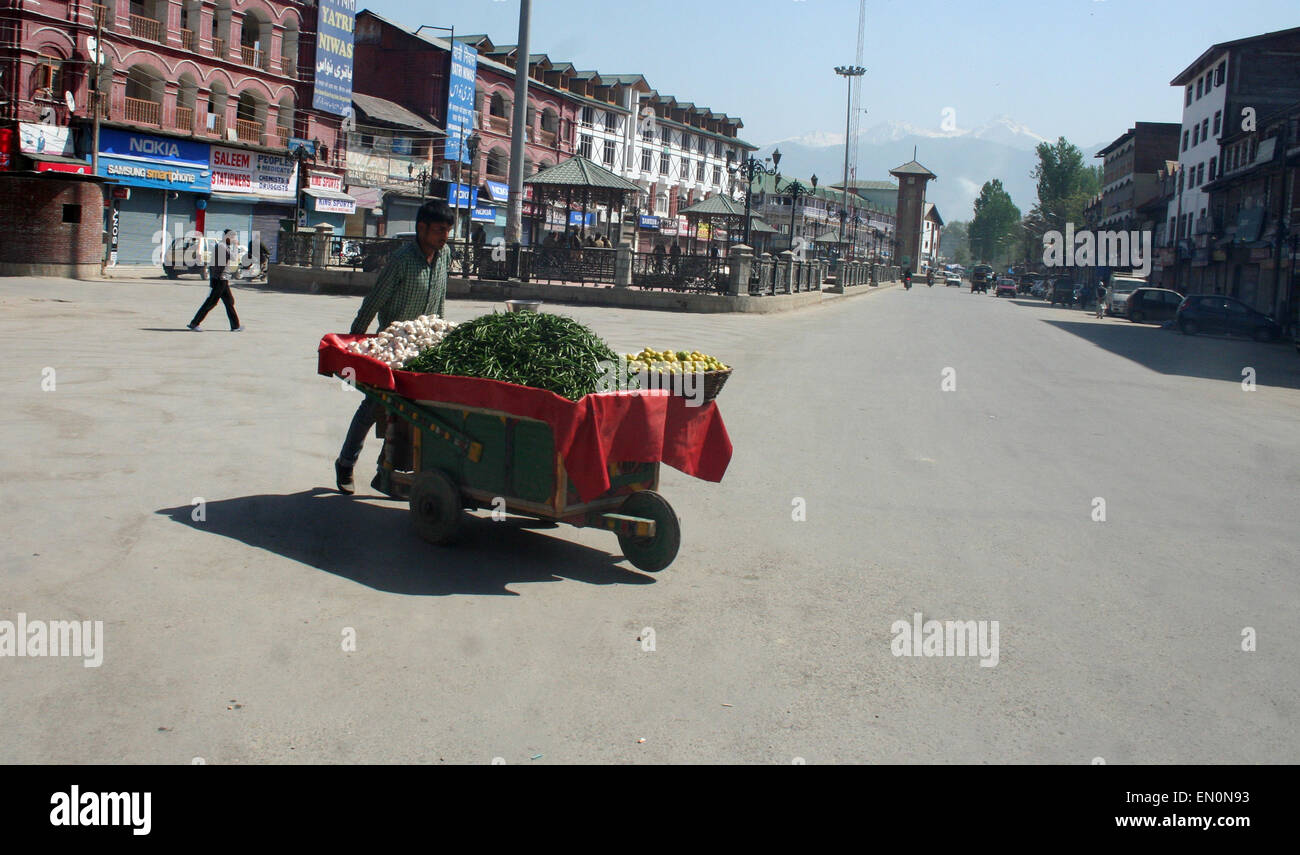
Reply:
x=1065, y=184
x=994, y=232
x=956, y=242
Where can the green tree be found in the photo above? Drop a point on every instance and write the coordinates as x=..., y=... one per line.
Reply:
x=1065, y=184
x=955, y=242
x=994, y=232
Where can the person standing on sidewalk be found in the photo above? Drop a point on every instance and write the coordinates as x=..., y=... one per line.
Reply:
x=1101, y=300
x=412, y=283
x=224, y=268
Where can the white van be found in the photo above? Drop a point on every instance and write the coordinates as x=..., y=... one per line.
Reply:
x=1119, y=288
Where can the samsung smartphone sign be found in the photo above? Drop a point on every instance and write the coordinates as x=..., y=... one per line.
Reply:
x=334, y=25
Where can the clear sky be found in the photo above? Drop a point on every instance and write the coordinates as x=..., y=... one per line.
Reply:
x=1085, y=69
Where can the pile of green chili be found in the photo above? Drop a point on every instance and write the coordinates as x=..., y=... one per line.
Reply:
x=542, y=350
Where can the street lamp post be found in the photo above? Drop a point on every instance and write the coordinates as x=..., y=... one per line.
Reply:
x=751, y=167
x=848, y=72
x=796, y=190
x=472, y=145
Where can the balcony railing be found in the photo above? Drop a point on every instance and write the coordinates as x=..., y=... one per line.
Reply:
x=247, y=131
x=218, y=47
x=99, y=14
x=146, y=28
x=184, y=119
x=250, y=56
x=142, y=112
x=187, y=38
x=282, y=134
x=546, y=138
x=288, y=67
x=218, y=128
x=499, y=124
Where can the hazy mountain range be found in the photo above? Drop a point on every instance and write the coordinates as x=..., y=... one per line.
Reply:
x=962, y=158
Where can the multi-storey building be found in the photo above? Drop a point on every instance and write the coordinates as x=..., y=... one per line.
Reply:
x=1255, y=203
x=1130, y=165
x=676, y=152
x=198, y=103
x=1225, y=90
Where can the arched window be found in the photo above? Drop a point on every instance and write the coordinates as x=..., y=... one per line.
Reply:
x=289, y=49
x=497, y=106
x=284, y=120
x=254, y=40
x=496, y=162
x=250, y=117
x=186, y=96
x=144, y=94
x=217, y=103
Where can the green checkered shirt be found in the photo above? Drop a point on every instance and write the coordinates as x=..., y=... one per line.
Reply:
x=407, y=287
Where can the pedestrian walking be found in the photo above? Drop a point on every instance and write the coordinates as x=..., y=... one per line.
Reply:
x=1101, y=299
x=412, y=283
x=224, y=268
x=659, y=253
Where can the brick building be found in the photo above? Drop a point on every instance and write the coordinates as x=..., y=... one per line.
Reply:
x=198, y=103
x=1129, y=172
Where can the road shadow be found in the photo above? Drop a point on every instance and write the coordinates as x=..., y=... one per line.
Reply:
x=165, y=329
x=1211, y=357
x=374, y=545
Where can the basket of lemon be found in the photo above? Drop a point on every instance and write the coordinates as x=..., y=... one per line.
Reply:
x=666, y=369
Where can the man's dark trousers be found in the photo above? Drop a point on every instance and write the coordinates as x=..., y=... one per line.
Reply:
x=220, y=291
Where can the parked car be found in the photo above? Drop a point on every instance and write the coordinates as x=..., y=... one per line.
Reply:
x=952, y=279
x=1214, y=313
x=1006, y=287
x=189, y=254
x=1152, y=304
x=1118, y=291
x=1063, y=292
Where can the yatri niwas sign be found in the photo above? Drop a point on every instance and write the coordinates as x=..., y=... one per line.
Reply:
x=333, y=93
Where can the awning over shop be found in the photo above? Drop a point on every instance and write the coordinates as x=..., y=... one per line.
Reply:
x=367, y=197
x=55, y=163
x=251, y=199
x=332, y=201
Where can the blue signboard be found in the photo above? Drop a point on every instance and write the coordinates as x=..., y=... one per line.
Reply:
x=333, y=93
x=499, y=191
x=464, y=196
x=460, y=101
x=144, y=160
x=648, y=222
x=483, y=214
x=575, y=219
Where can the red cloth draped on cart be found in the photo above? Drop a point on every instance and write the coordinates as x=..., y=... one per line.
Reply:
x=639, y=427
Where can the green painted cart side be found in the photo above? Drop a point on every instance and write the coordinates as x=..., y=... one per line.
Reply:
x=445, y=458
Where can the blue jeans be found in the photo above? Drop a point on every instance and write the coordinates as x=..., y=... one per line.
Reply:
x=364, y=419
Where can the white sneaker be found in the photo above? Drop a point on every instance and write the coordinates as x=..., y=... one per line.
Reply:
x=194, y=327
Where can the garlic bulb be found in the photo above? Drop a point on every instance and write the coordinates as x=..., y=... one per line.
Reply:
x=402, y=341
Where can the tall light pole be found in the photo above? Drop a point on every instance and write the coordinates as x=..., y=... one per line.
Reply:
x=514, y=213
x=796, y=190
x=848, y=72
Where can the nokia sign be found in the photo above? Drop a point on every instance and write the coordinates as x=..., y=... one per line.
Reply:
x=155, y=147
x=163, y=163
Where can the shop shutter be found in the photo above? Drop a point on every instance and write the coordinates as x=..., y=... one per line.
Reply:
x=139, y=220
x=266, y=222
x=401, y=216
x=229, y=215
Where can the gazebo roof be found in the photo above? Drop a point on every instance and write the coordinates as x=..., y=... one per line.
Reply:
x=716, y=206
x=579, y=172
x=829, y=236
x=912, y=168
x=758, y=226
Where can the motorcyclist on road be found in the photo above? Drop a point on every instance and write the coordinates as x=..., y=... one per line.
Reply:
x=907, y=279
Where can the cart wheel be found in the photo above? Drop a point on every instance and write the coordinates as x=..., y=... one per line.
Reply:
x=436, y=507
x=651, y=554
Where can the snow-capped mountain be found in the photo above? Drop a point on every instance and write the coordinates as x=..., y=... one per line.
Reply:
x=963, y=158
x=1001, y=129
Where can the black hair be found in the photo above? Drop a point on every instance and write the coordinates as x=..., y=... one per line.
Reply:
x=435, y=212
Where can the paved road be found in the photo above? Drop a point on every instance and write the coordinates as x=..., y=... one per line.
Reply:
x=772, y=636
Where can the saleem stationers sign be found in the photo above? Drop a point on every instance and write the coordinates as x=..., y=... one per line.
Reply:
x=334, y=26
x=252, y=172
